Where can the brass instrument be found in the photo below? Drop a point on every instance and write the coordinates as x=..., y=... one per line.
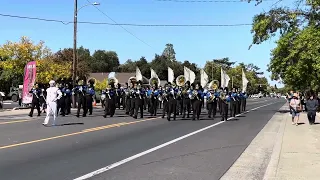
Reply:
x=113, y=80
x=154, y=81
x=133, y=80
x=214, y=84
x=211, y=98
x=180, y=80
x=194, y=95
x=92, y=81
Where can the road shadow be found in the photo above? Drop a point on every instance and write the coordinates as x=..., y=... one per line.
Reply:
x=283, y=111
x=301, y=123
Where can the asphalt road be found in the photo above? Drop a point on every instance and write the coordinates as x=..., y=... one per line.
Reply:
x=31, y=151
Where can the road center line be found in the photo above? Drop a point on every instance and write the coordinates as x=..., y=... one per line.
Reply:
x=114, y=165
x=77, y=133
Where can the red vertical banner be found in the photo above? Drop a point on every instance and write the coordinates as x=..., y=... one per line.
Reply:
x=29, y=79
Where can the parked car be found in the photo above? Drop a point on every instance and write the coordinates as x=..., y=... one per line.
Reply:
x=2, y=96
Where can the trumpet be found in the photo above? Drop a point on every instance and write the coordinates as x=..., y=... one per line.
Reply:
x=194, y=95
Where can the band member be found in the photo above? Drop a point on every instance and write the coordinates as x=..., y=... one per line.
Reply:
x=110, y=101
x=53, y=94
x=133, y=91
x=212, y=99
x=186, y=100
x=68, y=96
x=164, y=95
x=196, y=98
x=225, y=100
x=179, y=101
x=154, y=93
x=139, y=100
x=43, y=95
x=36, y=92
x=238, y=102
x=172, y=104
x=118, y=95
x=80, y=91
x=233, y=102
x=244, y=101
x=89, y=97
x=128, y=97
x=61, y=101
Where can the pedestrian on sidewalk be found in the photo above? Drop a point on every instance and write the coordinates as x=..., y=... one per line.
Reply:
x=295, y=105
x=312, y=106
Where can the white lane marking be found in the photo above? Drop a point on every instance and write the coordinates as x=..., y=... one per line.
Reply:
x=107, y=168
x=7, y=103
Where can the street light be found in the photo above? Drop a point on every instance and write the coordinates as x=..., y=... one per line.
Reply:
x=74, y=62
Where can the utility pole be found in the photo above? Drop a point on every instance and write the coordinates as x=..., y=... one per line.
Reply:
x=74, y=64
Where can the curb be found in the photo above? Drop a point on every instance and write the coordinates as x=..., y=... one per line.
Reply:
x=254, y=161
x=272, y=168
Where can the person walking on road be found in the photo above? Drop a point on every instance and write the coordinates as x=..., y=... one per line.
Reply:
x=295, y=106
x=312, y=106
x=53, y=94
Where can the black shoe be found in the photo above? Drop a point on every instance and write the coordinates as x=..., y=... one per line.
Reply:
x=135, y=117
x=104, y=116
x=78, y=115
x=30, y=115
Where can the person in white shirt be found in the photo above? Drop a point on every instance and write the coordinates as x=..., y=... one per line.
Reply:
x=53, y=94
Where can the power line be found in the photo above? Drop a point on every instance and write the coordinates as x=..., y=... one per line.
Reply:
x=125, y=24
x=208, y=1
x=122, y=26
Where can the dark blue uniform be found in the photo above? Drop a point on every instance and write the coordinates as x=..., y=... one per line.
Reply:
x=36, y=92
x=110, y=102
x=80, y=91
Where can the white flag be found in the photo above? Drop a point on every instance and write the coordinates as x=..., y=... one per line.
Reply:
x=224, y=79
x=138, y=74
x=204, y=79
x=244, y=82
x=170, y=75
x=153, y=73
x=112, y=75
x=189, y=75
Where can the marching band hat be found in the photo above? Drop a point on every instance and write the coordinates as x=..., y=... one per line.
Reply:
x=127, y=84
x=188, y=82
x=169, y=83
x=140, y=82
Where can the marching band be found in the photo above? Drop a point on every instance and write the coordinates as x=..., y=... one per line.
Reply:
x=180, y=98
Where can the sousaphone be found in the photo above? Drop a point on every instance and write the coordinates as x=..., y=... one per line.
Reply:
x=153, y=81
x=132, y=79
x=214, y=84
x=180, y=80
x=113, y=80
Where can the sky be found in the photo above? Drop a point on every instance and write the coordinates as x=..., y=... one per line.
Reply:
x=196, y=44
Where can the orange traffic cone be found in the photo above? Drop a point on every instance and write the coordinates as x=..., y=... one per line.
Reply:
x=94, y=103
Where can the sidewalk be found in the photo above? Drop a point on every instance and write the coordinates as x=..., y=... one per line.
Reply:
x=299, y=157
x=281, y=151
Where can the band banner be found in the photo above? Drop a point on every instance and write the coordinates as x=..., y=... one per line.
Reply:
x=29, y=79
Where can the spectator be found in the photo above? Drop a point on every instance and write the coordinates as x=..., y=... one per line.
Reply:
x=312, y=106
x=295, y=106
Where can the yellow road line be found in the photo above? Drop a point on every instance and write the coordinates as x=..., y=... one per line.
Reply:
x=17, y=121
x=76, y=133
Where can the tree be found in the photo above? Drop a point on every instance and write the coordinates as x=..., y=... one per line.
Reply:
x=49, y=69
x=15, y=55
x=128, y=66
x=295, y=59
x=169, y=52
x=84, y=60
x=104, y=61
